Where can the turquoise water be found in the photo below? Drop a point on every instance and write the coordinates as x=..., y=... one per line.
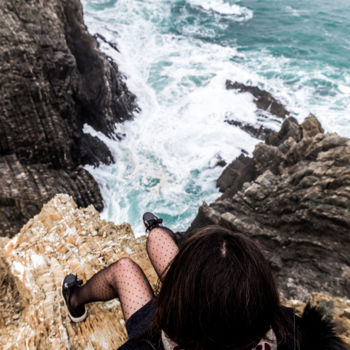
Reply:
x=176, y=56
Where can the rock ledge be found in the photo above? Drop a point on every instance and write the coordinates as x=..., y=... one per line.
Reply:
x=59, y=240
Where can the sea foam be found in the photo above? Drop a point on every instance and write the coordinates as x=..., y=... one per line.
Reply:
x=240, y=13
x=166, y=162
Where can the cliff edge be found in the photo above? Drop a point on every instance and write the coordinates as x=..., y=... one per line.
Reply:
x=63, y=239
x=59, y=240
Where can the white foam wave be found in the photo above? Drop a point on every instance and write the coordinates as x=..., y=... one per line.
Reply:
x=311, y=90
x=241, y=13
x=293, y=12
x=166, y=162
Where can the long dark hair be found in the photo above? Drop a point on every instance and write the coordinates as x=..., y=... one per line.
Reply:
x=219, y=293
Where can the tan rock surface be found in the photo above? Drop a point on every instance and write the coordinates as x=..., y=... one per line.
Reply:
x=59, y=240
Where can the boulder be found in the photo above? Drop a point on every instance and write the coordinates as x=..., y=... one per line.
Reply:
x=53, y=80
x=293, y=197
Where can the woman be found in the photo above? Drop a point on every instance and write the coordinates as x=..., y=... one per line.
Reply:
x=217, y=292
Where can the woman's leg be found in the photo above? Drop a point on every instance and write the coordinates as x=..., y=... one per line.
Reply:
x=123, y=279
x=161, y=249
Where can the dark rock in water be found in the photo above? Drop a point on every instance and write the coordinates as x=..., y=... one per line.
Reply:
x=221, y=163
x=93, y=155
x=293, y=197
x=53, y=81
x=259, y=133
x=110, y=44
x=263, y=99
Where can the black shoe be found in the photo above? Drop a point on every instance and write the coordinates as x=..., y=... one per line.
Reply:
x=71, y=282
x=151, y=221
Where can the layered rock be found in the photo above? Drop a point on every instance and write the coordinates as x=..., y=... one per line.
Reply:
x=53, y=80
x=293, y=197
x=59, y=240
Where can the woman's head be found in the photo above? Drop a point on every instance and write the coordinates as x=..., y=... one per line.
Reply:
x=219, y=292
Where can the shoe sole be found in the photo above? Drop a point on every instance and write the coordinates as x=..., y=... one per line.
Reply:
x=74, y=319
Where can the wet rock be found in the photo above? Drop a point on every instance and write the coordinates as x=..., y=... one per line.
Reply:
x=259, y=133
x=62, y=239
x=263, y=99
x=109, y=43
x=93, y=155
x=265, y=102
x=53, y=80
x=293, y=197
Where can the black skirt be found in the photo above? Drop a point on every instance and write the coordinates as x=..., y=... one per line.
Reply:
x=137, y=325
x=140, y=320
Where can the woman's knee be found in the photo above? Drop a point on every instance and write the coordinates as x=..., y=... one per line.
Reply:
x=125, y=263
x=155, y=234
x=118, y=270
x=159, y=234
x=121, y=266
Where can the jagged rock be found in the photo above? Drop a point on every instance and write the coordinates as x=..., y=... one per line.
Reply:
x=296, y=203
x=59, y=240
x=289, y=128
x=311, y=126
x=53, y=80
x=263, y=99
x=236, y=174
x=244, y=169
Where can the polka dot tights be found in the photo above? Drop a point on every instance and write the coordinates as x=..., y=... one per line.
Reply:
x=161, y=249
x=125, y=279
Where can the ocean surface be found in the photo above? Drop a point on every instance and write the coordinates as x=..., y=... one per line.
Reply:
x=176, y=56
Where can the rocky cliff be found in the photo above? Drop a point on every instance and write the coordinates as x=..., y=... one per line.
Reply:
x=59, y=240
x=53, y=80
x=63, y=239
x=293, y=197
